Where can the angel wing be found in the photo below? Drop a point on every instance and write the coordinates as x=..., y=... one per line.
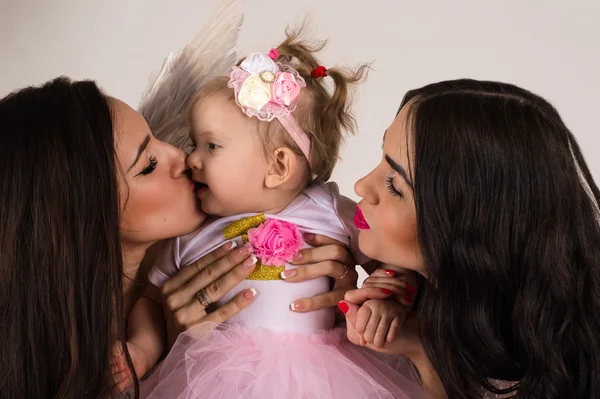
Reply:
x=211, y=53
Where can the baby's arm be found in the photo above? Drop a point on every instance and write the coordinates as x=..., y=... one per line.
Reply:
x=146, y=338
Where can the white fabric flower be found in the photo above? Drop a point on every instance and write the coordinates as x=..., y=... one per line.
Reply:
x=254, y=93
x=255, y=63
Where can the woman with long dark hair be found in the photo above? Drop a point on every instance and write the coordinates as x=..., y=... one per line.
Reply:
x=484, y=191
x=85, y=190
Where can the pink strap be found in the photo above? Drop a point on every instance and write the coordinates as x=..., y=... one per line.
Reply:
x=298, y=135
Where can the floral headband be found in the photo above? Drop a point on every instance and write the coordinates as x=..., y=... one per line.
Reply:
x=267, y=89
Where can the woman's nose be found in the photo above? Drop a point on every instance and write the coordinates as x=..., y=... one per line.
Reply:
x=364, y=188
x=178, y=162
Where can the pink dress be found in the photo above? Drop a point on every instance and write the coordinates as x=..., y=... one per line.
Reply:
x=267, y=350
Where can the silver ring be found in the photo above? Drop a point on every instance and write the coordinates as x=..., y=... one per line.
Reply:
x=345, y=273
x=203, y=298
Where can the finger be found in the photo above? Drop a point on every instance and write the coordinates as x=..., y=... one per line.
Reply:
x=382, y=331
x=310, y=272
x=188, y=272
x=386, y=280
x=319, y=240
x=317, y=302
x=384, y=273
x=371, y=328
x=233, y=307
x=210, y=275
x=350, y=310
x=363, y=294
x=362, y=319
x=390, y=287
x=336, y=253
x=393, y=331
x=194, y=311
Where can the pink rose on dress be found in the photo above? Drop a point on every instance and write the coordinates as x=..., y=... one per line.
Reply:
x=275, y=242
x=285, y=89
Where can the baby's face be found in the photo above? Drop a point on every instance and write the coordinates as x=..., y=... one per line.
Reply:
x=227, y=162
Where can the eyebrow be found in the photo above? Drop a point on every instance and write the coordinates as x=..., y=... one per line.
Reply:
x=140, y=151
x=400, y=170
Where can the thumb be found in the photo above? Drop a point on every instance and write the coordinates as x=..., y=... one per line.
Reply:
x=349, y=310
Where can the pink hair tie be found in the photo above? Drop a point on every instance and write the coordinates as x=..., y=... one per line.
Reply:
x=273, y=54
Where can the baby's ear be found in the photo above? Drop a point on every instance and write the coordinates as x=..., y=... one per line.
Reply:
x=283, y=166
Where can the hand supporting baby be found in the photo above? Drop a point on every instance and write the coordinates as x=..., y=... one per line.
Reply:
x=386, y=297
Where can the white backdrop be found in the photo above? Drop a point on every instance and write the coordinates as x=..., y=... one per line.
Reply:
x=550, y=47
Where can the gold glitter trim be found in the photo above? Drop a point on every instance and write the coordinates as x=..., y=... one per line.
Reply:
x=264, y=273
x=241, y=226
x=245, y=238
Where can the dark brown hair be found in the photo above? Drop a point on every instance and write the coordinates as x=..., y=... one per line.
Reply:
x=507, y=216
x=61, y=298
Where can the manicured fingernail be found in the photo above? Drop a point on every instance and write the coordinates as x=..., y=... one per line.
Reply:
x=411, y=289
x=343, y=307
x=297, y=257
x=251, y=293
x=289, y=273
x=390, y=273
x=251, y=261
x=309, y=237
x=408, y=297
x=386, y=291
x=298, y=305
x=245, y=251
x=229, y=245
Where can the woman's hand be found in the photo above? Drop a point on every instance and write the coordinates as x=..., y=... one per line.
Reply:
x=187, y=295
x=328, y=258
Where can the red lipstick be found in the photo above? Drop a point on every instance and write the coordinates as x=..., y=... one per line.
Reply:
x=359, y=220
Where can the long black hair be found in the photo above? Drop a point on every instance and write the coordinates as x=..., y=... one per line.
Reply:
x=507, y=215
x=61, y=268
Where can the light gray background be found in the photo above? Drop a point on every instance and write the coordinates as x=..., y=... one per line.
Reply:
x=549, y=47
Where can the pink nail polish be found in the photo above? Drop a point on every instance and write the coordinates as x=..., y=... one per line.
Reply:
x=288, y=273
x=309, y=237
x=297, y=257
x=296, y=306
x=245, y=251
x=251, y=293
x=251, y=261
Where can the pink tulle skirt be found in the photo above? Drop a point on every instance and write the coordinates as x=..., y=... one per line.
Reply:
x=233, y=362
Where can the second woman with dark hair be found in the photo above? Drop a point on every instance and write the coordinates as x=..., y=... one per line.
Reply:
x=484, y=191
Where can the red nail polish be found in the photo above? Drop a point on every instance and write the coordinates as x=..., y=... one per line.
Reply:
x=408, y=297
x=386, y=291
x=343, y=307
x=390, y=273
x=411, y=289
x=309, y=237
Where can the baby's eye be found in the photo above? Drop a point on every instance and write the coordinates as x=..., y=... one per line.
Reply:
x=213, y=146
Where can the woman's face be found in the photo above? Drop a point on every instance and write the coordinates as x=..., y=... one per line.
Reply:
x=388, y=230
x=157, y=196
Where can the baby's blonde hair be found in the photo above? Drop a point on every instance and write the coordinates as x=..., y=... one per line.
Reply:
x=326, y=117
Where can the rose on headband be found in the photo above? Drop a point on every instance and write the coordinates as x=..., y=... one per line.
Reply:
x=254, y=93
x=285, y=89
x=275, y=242
x=255, y=63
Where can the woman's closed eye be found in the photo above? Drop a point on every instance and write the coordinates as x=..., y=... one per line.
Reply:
x=390, y=187
x=152, y=162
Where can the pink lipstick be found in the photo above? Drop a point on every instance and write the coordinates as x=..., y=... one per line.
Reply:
x=359, y=220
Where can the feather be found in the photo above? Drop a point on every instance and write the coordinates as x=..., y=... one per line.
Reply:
x=211, y=53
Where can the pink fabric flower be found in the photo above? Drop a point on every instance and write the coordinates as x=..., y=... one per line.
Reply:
x=275, y=242
x=285, y=89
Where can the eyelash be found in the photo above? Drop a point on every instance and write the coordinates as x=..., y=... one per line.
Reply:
x=150, y=168
x=213, y=146
x=390, y=187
